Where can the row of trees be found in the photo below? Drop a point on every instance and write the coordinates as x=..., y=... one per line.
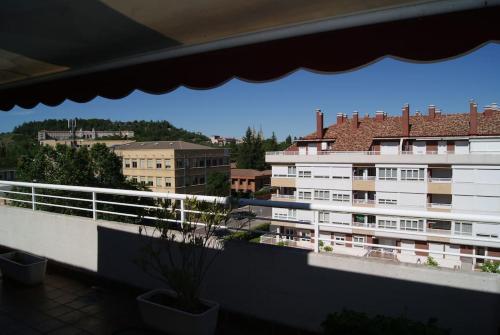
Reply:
x=250, y=154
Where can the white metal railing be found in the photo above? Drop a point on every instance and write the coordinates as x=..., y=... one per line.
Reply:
x=439, y=180
x=364, y=201
x=283, y=196
x=363, y=177
x=93, y=200
x=438, y=205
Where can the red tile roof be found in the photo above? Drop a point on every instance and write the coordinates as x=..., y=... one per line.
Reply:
x=349, y=139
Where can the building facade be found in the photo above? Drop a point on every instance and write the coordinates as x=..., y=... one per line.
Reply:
x=433, y=162
x=172, y=166
x=60, y=135
x=249, y=180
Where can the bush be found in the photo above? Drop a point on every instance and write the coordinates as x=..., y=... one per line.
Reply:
x=431, y=261
x=328, y=248
x=321, y=244
x=282, y=243
x=249, y=235
x=353, y=323
x=489, y=266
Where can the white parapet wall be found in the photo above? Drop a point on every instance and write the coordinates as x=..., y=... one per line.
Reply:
x=294, y=287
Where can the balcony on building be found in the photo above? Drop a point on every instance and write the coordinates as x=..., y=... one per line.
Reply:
x=439, y=202
x=364, y=198
x=439, y=179
x=439, y=227
x=284, y=194
x=363, y=178
x=366, y=221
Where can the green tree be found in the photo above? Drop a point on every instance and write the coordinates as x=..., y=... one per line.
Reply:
x=244, y=159
x=218, y=184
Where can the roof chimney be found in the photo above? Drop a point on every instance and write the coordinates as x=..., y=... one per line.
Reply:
x=472, y=118
x=319, y=124
x=432, y=112
x=379, y=116
x=438, y=113
x=355, y=120
x=340, y=118
x=488, y=110
x=405, y=120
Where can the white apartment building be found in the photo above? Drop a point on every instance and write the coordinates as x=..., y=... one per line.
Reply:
x=434, y=162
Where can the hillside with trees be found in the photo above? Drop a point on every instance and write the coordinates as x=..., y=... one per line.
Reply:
x=23, y=139
x=144, y=130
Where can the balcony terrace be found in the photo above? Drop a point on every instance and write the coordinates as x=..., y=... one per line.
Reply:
x=89, y=241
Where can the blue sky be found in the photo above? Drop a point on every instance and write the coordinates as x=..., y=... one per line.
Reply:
x=287, y=105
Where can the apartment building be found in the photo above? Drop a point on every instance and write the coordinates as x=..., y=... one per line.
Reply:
x=433, y=162
x=172, y=166
x=249, y=180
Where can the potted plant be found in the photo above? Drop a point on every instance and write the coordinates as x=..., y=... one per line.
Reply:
x=23, y=267
x=179, y=255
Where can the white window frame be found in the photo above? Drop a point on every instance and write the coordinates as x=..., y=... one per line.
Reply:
x=305, y=195
x=461, y=231
x=323, y=217
x=292, y=171
x=387, y=201
x=168, y=181
x=321, y=195
x=387, y=224
x=358, y=239
x=411, y=225
x=416, y=174
x=305, y=174
x=341, y=197
x=339, y=239
x=384, y=175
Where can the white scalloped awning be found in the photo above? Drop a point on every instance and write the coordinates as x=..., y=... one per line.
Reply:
x=54, y=50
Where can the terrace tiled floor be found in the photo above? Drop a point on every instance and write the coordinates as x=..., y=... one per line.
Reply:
x=69, y=303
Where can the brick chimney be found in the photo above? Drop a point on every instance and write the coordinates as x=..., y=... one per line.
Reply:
x=405, y=120
x=379, y=116
x=319, y=123
x=355, y=120
x=340, y=118
x=473, y=118
x=432, y=112
x=488, y=110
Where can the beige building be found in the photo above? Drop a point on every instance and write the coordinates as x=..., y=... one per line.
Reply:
x=172, y=166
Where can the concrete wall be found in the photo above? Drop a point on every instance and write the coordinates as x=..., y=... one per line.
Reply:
x=290, y=286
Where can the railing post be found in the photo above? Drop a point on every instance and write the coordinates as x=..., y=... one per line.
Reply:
x=183, y=213
x=316, y=234
x=33, y=198
x=94, y=206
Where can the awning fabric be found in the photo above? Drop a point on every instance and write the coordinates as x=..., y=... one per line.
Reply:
x=55, y=50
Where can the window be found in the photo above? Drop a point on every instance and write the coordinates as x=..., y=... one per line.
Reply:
x=127, y=163
x=463, y=228
x=202, y=180
x=150, y=163
x=158, y=163
x=340, y=197
x=142, y=163
x=341, y=177
x=201, y=162
x=149, y=181
x=412, y=174
x=415, y=225
x=358, y=239
x=304, y=174
x=387, y=174
x=142, y=180
x=321, y=195
x=168, y=182
x=292, y=213
x=324, y=217
x=387, y=224
x=221, y=161
x=159, y=182
x=292, y=171
x=179, y=163
x=305, y=195
x=339, y=239
x=134, y=179
x=167, y=164
x=387, y=201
